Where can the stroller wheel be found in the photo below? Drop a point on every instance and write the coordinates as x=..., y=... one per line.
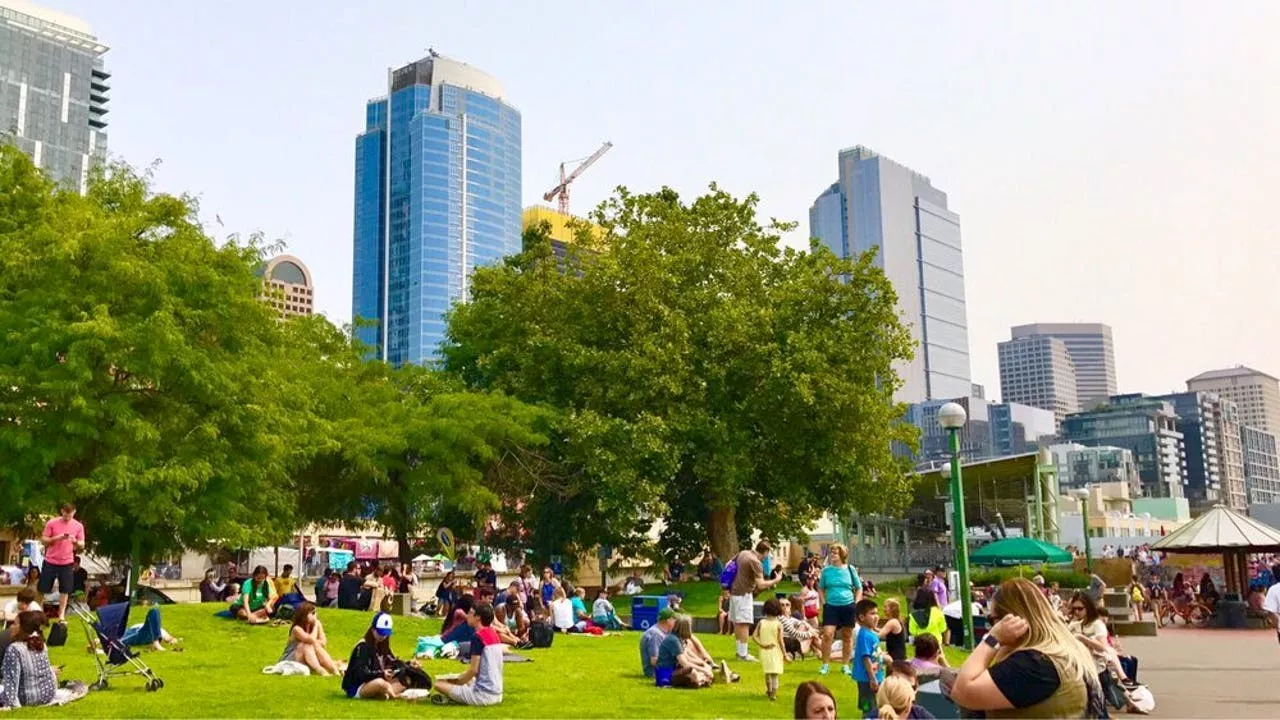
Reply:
x=100, y=685
x=154, y=684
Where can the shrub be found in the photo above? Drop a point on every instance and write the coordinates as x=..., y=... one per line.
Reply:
x=1066, y=578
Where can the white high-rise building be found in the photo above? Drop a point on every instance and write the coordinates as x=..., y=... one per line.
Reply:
x=1256, y=393
x=877, y=203
x=1092, y=353
x=1038, y=371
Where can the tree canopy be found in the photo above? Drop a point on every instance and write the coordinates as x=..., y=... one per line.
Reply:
x=704, y=375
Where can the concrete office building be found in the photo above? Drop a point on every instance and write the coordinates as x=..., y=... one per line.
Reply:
x=877, y=203
x=437, y=180
x=992, y=429
x=1092, y=354
x=1261, y=465
x=287, y=286
x=1234, y=491
x=1256, y=393
x=53, y=90
x=1147, y=427
x=1038, y=371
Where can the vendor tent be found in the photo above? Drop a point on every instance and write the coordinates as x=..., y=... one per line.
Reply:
x=1223, y=530
x=1019, y=551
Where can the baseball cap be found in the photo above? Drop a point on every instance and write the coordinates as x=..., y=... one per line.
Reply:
x=666, y=613
x=382, y=624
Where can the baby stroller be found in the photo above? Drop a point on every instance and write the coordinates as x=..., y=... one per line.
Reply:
x=118, y=659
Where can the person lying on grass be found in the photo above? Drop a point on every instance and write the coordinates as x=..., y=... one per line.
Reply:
x=307, y=642
x=481, y=684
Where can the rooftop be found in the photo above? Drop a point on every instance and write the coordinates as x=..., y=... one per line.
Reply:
x=51, y=23
x=1237, y=371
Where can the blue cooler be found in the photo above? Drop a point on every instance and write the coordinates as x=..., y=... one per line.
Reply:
x=662, y=676
x=645, y=609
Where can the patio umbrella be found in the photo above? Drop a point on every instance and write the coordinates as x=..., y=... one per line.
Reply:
x=1019, y=551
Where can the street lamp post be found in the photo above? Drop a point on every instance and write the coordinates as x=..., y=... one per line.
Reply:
x=1083, y=495
x=952, y=418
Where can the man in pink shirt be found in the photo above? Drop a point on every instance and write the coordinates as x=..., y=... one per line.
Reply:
x=62, y=538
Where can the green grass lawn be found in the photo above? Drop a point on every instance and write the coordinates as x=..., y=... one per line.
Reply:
x=219, y=675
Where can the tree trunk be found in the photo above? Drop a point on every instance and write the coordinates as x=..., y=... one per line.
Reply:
x=722, y=527
x=402, y=537
x=135, y=565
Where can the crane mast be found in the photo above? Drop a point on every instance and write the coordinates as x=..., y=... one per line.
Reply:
x=560, y=192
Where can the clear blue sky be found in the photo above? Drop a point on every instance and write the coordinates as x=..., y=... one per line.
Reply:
x=1111, y=162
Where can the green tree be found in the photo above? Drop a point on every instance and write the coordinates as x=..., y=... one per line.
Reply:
x=695, y=362
x=140, y=376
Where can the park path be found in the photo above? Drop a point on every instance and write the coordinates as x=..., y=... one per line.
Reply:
x=1210, y=673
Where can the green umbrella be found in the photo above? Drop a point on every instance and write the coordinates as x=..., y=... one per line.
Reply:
x=1019, y=551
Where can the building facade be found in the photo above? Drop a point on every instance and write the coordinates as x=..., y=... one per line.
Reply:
x=1147, y=427
x=1198, y=414
x=437, y=193
x=1092, y=356
x=992, y=429
x=1080, y=466
x=53, y=90
x=1256, y=393
x=1038, y=371
x=1018, y=428
x=286, y=286
x=898, y=212
x=1261, y=465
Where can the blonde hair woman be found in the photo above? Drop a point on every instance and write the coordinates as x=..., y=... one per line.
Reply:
x=895, y=698
x=840, y=589
x=1028, y=665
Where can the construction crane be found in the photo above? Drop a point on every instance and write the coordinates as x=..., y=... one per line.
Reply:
x=561, y=191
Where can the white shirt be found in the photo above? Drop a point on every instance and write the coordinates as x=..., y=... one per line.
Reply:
x=562, y=614
x=1272, y=603
x=953, y=610
x=11, y=609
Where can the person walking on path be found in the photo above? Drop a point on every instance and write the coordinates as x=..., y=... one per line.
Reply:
x=62, y=538
x=747, y=581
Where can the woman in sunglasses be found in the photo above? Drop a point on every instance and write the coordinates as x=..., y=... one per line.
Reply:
x=1029, y=665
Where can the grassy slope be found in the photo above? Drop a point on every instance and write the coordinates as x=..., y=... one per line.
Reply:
x=219, y=675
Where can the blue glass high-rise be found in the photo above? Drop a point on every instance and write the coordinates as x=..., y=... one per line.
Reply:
x=437, y=193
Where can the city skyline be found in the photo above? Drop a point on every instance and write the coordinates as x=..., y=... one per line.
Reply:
x=1068, y=166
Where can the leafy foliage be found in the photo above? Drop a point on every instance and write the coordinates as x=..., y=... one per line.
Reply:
x=139, y=374
x=696, y=365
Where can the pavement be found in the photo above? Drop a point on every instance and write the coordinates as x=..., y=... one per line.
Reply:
x=1210, y=673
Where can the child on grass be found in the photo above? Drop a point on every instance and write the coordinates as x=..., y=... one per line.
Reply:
x=866, y=654
x=768, y=637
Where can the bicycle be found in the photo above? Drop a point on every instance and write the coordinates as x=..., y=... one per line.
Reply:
x=1193, y=613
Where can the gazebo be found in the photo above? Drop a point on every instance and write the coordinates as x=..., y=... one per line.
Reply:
x=1223, y=530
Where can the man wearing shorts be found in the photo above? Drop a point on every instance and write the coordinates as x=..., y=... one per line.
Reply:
x=748, y=581
x=481, y=684
x=62, y=538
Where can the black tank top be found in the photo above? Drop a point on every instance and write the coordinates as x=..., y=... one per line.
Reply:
x=896, y=644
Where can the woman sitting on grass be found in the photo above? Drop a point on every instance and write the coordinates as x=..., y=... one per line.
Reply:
x=257, y=598
x=28, y=677
x=929, y=655
x=514, y=619
x=371, y=671
x=307, y=642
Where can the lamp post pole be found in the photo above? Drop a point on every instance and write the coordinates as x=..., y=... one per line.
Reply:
x=1084, y=521
x=952, y=418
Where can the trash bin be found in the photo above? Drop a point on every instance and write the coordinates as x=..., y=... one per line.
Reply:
x=645, y=609
x=1233, y=614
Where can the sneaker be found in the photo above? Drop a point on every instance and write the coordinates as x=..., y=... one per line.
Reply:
x=824, y=668
x=747, y=658
x=438, y=699
x=846, y=670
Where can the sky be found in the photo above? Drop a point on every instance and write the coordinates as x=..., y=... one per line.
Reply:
x=1110, y=162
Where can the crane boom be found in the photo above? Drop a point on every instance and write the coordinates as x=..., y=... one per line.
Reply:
x=561, y=192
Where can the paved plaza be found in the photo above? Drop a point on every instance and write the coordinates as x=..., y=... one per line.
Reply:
x=1210, y=673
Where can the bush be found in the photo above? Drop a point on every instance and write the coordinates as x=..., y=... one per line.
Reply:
x=1065, y=578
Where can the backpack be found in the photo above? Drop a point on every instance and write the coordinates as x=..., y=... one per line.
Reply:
x=541, y=634
x=57, y=634
x=729, y=574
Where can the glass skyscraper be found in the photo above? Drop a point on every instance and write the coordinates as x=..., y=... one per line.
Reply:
x=879, y=203
x=437, y=192
x=53, y=90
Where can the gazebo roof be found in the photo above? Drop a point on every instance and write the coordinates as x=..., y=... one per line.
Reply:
x=1221, y=529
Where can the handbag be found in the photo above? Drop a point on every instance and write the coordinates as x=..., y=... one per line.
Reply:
x=411, y=676
x=57, y=635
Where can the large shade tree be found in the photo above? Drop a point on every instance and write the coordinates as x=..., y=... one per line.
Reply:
x=140, y=376
x=705, y=375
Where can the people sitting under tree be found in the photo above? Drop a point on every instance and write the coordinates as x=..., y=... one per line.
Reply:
x=446, y=594
x=513, y=620
x=307, y=643
x=674, y=572
x=799, y=637
x=212, y=589
x=351, y=588
x=651, y=639
x=27, y=677
x=24, y=602
x=371, y=670
x=928, y=652
x=149, y=632
x=257, y=598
